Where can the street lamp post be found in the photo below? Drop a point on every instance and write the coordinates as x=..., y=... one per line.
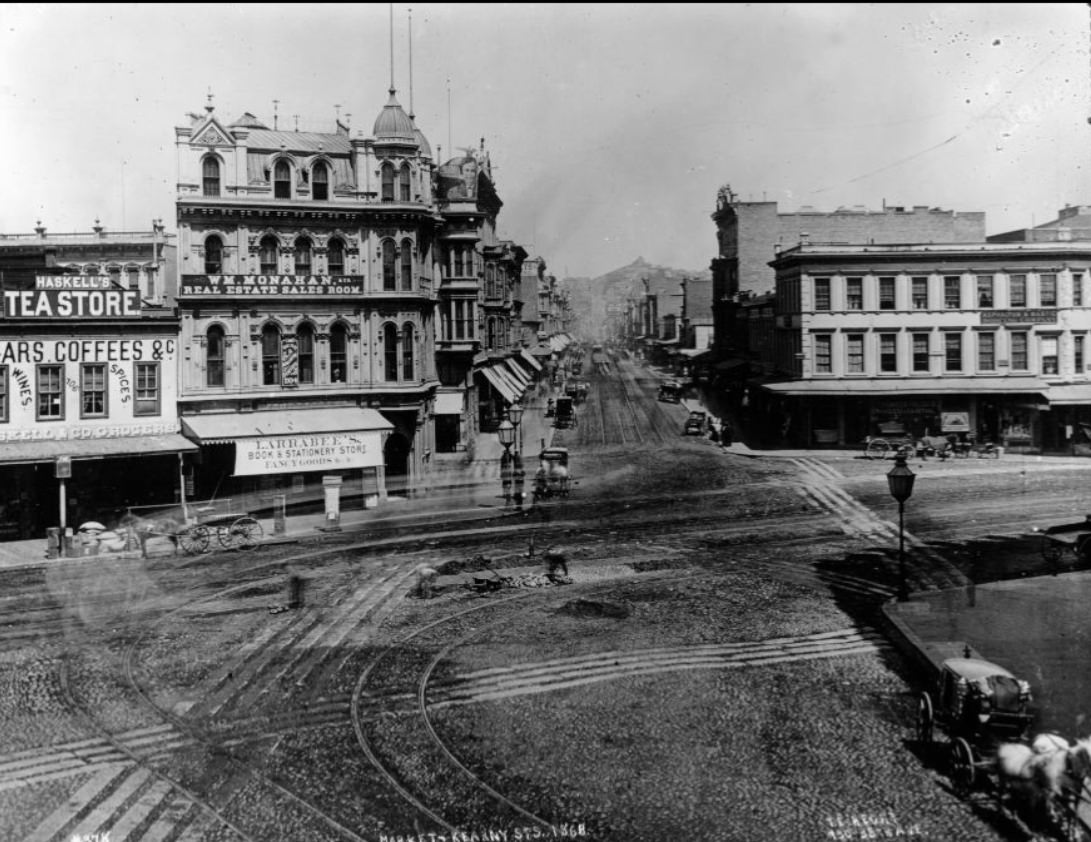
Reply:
x=515, y=415
x=506, y=433
x=900, y=479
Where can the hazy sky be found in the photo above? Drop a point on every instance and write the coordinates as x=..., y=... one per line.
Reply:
x=610, y=127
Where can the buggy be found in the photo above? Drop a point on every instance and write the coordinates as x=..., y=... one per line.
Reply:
x=1065, y=538
x=551, y=479
x=670, y=392
x=980, y=705
x=564, y=415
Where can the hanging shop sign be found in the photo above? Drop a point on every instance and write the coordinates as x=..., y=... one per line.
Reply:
x=270, y=285
x=955, y=422
x=300, y=453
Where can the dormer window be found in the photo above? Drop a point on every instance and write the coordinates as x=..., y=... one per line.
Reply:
x=282, y=180
x=388, y=182
x=320, y=182
x=210, y=170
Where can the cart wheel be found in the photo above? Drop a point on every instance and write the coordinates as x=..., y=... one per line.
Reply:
x=194, y=539
x=243, y=534
x=877, y=449
x=1051, y=551
x=962, y=766
x=925, y=719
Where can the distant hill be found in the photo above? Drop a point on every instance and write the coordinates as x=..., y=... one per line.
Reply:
x=595, y=299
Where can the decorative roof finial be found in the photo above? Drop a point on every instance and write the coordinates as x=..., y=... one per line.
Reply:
x=392, y=90
x=411, y=114
x=276, y=102
x=210, y=107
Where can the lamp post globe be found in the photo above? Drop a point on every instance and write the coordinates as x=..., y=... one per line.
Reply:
x=506, y=433
x=900, y=481
x=515, y=413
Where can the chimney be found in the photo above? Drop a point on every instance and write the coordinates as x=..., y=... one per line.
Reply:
x=40, y=230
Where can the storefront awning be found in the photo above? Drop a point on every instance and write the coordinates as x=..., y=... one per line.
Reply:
x=916, y=386
x=528, y=358
x=501, y=386
x=518, y=372
x=501, y=371
x=556, y=344
x=1071, y=395
x=448, y=403
x=23, y=452
x=226, y=428
x=542, y=351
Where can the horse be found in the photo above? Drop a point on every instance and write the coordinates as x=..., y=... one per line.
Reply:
x=1048, y=773
x=145, y=528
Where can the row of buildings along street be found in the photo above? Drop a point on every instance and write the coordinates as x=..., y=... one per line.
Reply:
x=331, y=306
x=824, y=328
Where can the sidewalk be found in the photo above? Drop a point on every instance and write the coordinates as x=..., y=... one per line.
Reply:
x=473, y=486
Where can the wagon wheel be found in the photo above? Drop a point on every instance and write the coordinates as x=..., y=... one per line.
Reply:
x=962, y=766
x=925, y=719
x=1051, y=551
x=242, y=534
x=194, y=539
x=1083, y=548
x=877, y=449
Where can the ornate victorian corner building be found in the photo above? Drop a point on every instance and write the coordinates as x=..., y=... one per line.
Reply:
x=307, y=294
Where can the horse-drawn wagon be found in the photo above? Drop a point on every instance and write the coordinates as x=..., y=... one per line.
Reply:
x=197, y=527
x=1067, y=539
x=551, y=479
x=987, y=715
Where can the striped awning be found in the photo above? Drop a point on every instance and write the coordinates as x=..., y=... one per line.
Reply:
x=225, y=428
x=501, y=386
x=528, y=358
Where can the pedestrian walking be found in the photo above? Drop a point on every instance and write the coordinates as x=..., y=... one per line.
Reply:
x=555, y=561
x=426, y=581
x=725, y=435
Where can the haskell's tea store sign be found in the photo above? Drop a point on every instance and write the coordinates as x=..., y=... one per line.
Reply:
x=266, y=285
x=72, y=297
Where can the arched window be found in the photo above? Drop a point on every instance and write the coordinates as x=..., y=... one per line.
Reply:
x=214, y=356
x=338, y=354
x=270, y=355
x=214, y=255
x=407, y=265
x=304, y=339
x=390, y=353
x=490, y=334
x=388, y=182
x=267, y=255
x=320, y=182
x=407, y=352
x=404, y=184
x=303, y=256
x=490, y=281
x=390, y=280
x=210, y=171
x=282, y=180
x=336, y=257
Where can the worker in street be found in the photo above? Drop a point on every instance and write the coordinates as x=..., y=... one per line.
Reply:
x=426, y=581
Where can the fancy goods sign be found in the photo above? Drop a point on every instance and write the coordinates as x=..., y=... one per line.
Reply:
x=302, y=452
